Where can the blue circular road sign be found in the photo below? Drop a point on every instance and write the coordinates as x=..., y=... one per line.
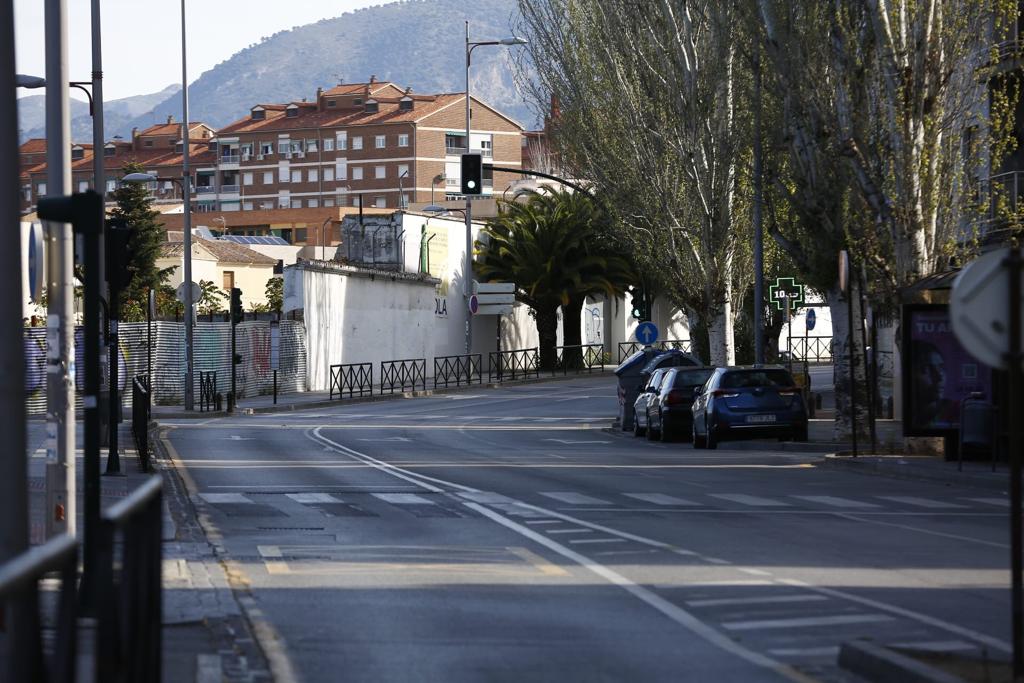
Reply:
x=647, y=333
x=812, y=318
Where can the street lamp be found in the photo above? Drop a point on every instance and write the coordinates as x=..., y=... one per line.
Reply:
x=401, y=190
x=470, y=46
x=322, y=227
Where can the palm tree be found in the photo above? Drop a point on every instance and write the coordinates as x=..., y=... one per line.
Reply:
x=553, y=247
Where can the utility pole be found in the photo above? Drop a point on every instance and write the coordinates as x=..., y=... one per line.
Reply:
x=60, y=331
x=758, y=216
x=186, y=195
x=467, y=269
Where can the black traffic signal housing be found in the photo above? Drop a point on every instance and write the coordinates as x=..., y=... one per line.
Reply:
x=472, y=173
x=236, y=306
x=641, y=303
x=118, y=236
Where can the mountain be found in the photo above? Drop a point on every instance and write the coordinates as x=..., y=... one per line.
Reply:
x=414, y=43
x=118, y=115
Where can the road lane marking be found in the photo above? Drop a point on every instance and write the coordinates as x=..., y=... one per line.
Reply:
x=573, y=498
x=660, y=499
x=1000, y=502
x=273, y=559
x=921, y=502
x=402, y=498
x=313, y=498
x=573, y=442
x=753, y=501
x=571, y=531
x=938, y=645
x=485, y=497
x=590, y=541
x=761, y=600
x=929, y=532
x=838, y=502
x=801, y=622
x=827, y=651
x=543, y=521
x=218, y=498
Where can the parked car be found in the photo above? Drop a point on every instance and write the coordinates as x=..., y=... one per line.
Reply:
x=748, y=403
x=668, y=412
x=648, y=391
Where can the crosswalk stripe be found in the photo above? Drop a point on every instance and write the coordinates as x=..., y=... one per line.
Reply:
x=761, y=600
x=571, y=531
x=486, y=497
x=825, y=651
x=312, y=498
x=1000, y=502
x=583, y=541
x=215, y=498
x=660, y=499
x=403, y=499
x=836, y=501
x=837, y=620
x=753, y=501
x=573, y=498
x=921, y=502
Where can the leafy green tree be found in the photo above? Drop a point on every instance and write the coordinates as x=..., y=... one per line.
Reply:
x=555, y=249
x=134, y=206
x=274, y=292
x=211, y=298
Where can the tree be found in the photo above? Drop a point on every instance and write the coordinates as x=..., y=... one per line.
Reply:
x=275, y=294
x=554, y=248
x=134, y=206
x=211, y=298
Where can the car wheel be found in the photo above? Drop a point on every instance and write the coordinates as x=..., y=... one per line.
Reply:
x=637, y=429
x=710, y=442
x=698, y=440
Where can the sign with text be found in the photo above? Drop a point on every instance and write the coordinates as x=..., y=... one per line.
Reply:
x=786, y=290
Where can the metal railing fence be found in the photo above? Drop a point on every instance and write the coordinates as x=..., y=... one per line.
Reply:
x=140, y=419
x=516, y=364
x=354, y=378
x=811, y=349
x=458, y=370
x=129, y=587
x=27, y=659
x=579, y=358
x=400, y=375
x=627, y=349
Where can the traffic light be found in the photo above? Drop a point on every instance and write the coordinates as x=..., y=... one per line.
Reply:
x=641, y=304
x=118, y=235
x=472, y=173
x=236, y=306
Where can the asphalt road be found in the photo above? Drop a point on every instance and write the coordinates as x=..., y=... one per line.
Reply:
x=506, y=534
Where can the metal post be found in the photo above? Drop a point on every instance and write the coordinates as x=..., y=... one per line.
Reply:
x=14, y=483
x=186, y=194
x=467, y=270
x=234, y=397
x=1016, y=384
x=275, y=387
x=869, y=376
x=60, y=365
x=150, y=309
x=114, y=306
x=852, y=356
x=758, y=231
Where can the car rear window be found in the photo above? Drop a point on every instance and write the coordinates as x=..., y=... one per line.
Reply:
x=691, y=378
x=739, y=379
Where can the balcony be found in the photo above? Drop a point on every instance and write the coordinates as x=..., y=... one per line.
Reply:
x=999, y=203
x=454, y=151
x=205, y=189
x=230, y=189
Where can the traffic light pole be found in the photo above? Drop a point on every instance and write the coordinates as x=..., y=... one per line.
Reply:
x=116, y=242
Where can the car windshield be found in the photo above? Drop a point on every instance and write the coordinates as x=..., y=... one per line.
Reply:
x=691, y=378
x=740, y=379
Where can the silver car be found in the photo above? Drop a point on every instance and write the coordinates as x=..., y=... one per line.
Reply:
x=646, y=394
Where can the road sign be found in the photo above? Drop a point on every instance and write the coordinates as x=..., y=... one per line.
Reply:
x=275, y=345
x=647, y=333
x=978, y=307
x=493, y=287
x=812, y=319
x=474, y=304
x=786, y=290
x=196, y=293
x=494, y=309
x=495, y=298
x=35, y=261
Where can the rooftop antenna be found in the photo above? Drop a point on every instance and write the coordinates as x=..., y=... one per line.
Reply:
x=341, y=81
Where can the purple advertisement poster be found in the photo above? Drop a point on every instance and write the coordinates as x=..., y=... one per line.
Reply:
x=938, y=372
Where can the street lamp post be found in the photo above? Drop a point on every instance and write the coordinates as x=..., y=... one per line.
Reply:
x=401, y=189
x=323, y=226
x=186, y=194
x=468, y=265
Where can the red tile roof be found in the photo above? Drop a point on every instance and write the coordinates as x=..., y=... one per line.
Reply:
x=172, y=128
x=33, y=146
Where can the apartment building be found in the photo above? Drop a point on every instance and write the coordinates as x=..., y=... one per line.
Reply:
x=373, y=144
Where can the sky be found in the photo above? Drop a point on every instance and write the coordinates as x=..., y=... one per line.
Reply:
x=151, y=32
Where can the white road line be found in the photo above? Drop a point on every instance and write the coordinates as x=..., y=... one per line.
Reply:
x=660, y=499
x=313, y=498
x=402, y=498
x=928, y=532
x=759, y=600
x=799, y=622
x=753, y=501
x=486, y=497
x=838, y=502
x=571, y=531
x=217, y=498
x=921, y=502
x=1000, y=502
x=827, y=651
x=573, y=498
x=584, y=541
x=543, y=521
x=939, y=645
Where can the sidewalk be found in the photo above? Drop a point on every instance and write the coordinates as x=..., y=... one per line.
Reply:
x=978, y=475
x=205, y=637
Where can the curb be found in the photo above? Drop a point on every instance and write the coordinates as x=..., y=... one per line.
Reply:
x=901, y=469
x=784, y=446
x=881, y=665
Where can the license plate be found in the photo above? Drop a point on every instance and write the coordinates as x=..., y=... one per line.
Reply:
x=760, y=419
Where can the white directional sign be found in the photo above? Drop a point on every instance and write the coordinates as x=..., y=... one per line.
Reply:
x=493, y=298
x=494, y=309
x=496, y=298
x=978, y=308
x=275, y=345
x=493, y=287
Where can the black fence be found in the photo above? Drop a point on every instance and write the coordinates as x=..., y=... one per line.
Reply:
x=458, y=370
x=353, y=378
x=208, y=391
x=579, y=358
x=503, y=366
x=27, y=659
x=402, y=375
x=627, y=349
x=811, y=349
x=129, y=588
x=140, y=419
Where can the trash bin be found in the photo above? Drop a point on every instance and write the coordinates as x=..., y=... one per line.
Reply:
x=634, y=371
x=977, y=425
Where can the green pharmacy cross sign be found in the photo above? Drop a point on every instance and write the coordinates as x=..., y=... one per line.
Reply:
x=786, y=289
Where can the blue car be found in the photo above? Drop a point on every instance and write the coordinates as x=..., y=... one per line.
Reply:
x=748, y=403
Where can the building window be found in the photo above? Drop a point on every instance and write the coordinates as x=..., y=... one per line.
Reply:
x=111, y=185
x=372, y=107
x=380, y=141
x=403, y=140
x=403, y=170
x=291, y=112
x=405, y=105
x=247, y=178
x=328, y=145
x=328, y=174
x=268, y=177
x=258, y=114
x=313, y=203
x=296, y=176
x=486, y=148
x=332, y=103
x=379, y=202
x=311, y=145
x=314, y=175
x=357, y=142
x=300, y=234
x=229, y=280
x=266, y=148
x=109, y=151
x=246, y=150
x=41, y=189
x=357, y=173
x=267, y=205
x=356, y=201
x=247, y=206
x=342, y=140
x=284, y=147
x=329, y=201
x=380, y=172
x=83, y=185
x=296, y=204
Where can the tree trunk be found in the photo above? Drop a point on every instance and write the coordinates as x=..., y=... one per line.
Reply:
x=547, y=333
x=841, y=340
x=720, y=337
x=572, y=315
